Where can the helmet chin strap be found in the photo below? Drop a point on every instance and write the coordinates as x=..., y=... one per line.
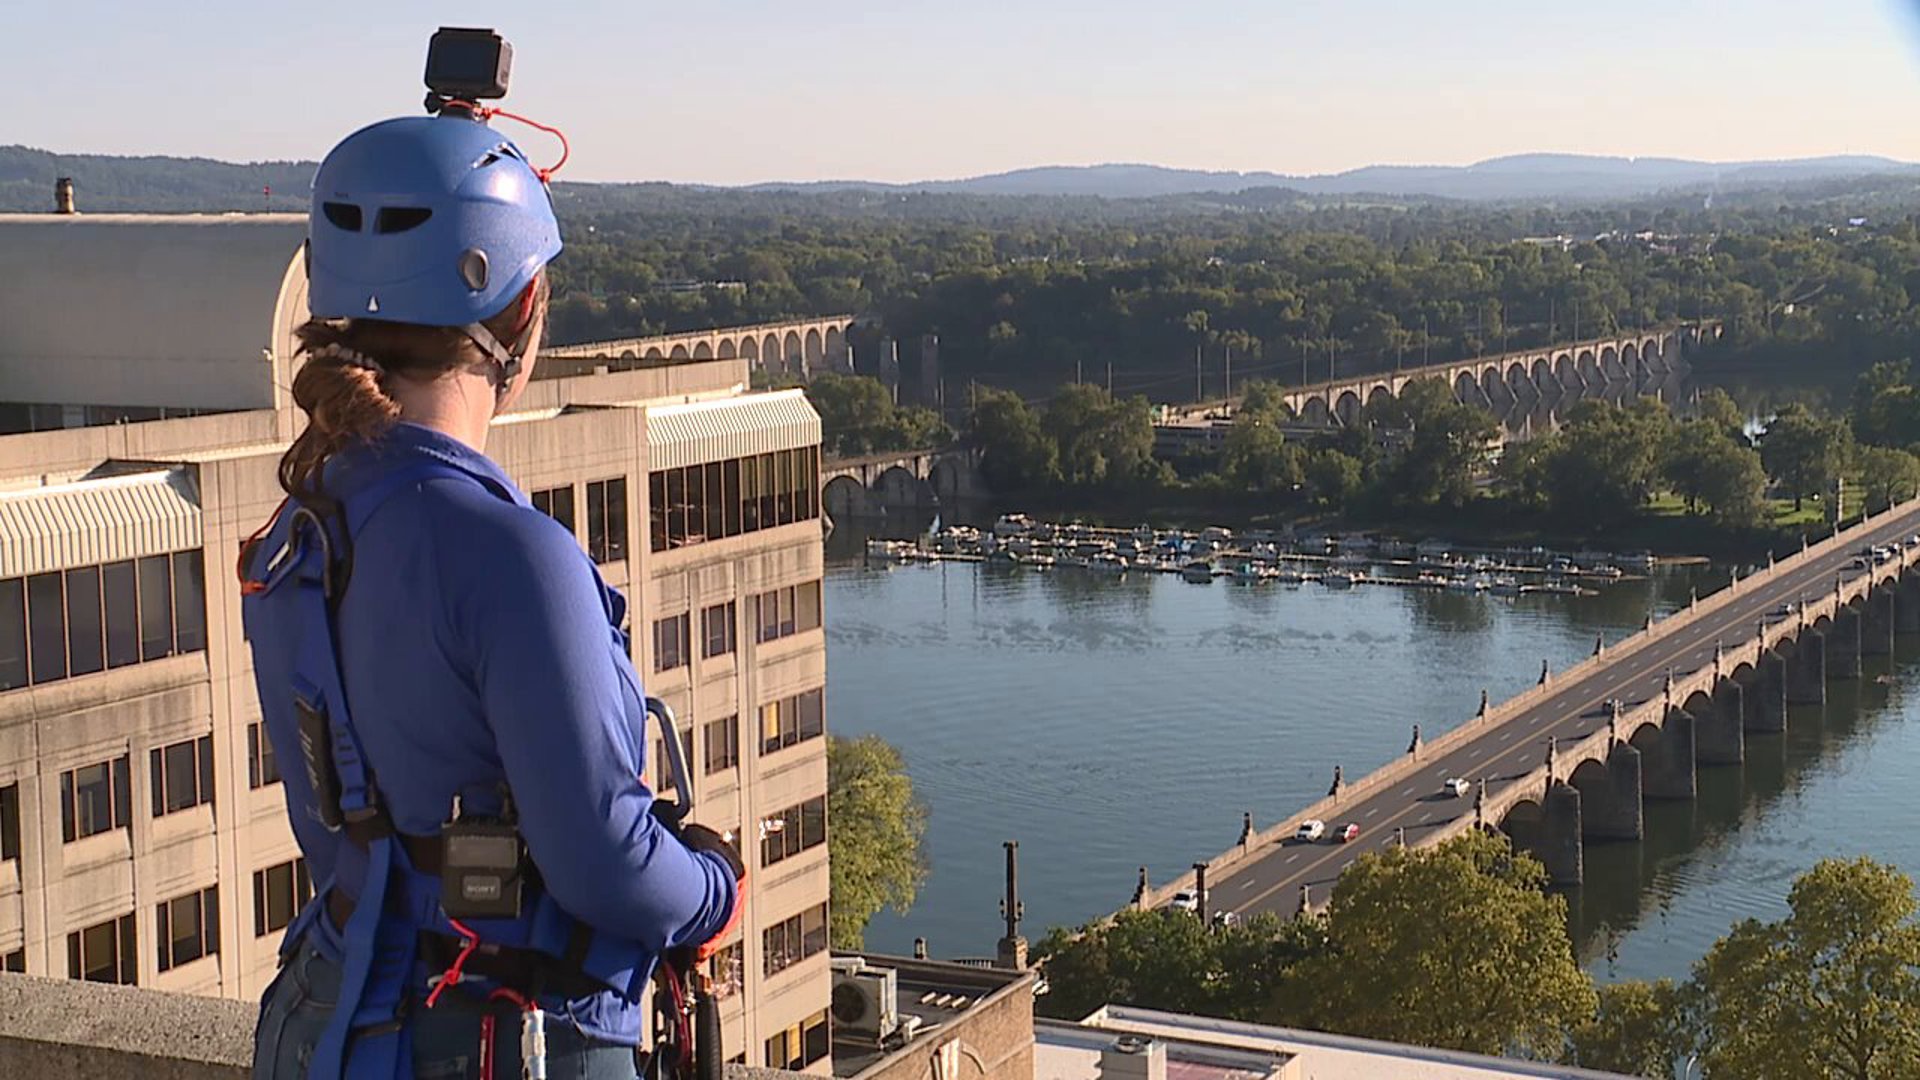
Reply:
x=506, y=363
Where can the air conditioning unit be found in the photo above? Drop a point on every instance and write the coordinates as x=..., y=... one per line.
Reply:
x=866, y=1000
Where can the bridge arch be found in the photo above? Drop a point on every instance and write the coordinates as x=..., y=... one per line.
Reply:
x=1492, y=382
x=837, y=355
x=1379, y=396
x=814, y=355
x=1630, y=359
x=679, y=352
x=1589, y=366
x=1610, y=362
x=1565, y=369
x=793, y=354
x=626, y=356
x=771, y=358
x=1517, y=383
x=1465, y=389
x=1347, y=408
x=654, y=353
x=1542, y=374
x=1646, y=737
x=750, y=349
x=846, y=497
x=900, y=486
x=728, y=350
x=1525, y=824
x=702, y=351
x=1314, y=410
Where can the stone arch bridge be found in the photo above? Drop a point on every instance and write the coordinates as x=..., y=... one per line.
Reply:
x=798, y=347
x=1527, y=387
x=1574, y=759
x=869, y=486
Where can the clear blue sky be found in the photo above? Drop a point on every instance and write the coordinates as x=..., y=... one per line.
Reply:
x=744, y=90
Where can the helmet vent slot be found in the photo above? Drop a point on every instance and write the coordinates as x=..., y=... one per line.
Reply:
x=398, y=219
x=342, y=215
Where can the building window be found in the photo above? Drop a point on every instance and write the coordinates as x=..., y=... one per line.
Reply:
x=103, y=952
x=672, y=646
x=13, y=634
x=15, y=961
x=802, y=826
x=791, y=721
x=279, y=892
x=64, y=624
x=728, y=972
x=556, y=503
x=9, y=822
x=182, y=775
x=790, y=941
x=723, y=744
x=607, y=519
x=262, y=769
x=716, y=630
x=95, y=799
x=188, y=928
x=785, y=612
x=696, y=503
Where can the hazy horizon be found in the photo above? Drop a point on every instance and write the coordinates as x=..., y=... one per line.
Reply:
x=760, y=92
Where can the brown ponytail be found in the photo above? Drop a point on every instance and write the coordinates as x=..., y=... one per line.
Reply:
x=342, y=385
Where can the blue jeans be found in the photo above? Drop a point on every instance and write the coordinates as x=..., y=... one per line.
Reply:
x=446, y=1039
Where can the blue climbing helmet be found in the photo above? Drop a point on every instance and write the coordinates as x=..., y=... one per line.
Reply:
x=437, y=221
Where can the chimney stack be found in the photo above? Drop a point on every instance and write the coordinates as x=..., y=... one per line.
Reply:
x=1132, y=1057
x=63, y=195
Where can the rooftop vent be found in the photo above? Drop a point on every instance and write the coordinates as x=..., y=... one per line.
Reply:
x=1134, y=1058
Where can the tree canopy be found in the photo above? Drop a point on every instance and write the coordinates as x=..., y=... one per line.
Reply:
x=875, y=824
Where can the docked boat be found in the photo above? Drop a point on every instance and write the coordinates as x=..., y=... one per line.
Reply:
x=1248, y=573
x=1107, y=562
x=1012, y=525
x=1199, y=571
x=1339, y=579
x=1462, y=585
x=1289, y=575
x=1505, y=585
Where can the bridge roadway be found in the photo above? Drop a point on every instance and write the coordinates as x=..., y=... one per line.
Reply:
x=1271, y=881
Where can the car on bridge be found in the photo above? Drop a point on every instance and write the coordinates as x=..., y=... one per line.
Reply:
x=1185, y=900
x=1455, y=787
x=1225, y=919
x=1345, y=833
x=1310, y=830
x=1786, y=610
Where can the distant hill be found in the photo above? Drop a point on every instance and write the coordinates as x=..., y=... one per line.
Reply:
x=107, y=183
x=1526, y=176
x=103, y=183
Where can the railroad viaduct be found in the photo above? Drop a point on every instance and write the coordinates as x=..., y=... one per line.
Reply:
x=797, y=347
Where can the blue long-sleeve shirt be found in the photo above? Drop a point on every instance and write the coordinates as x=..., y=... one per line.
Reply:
x=479, y=647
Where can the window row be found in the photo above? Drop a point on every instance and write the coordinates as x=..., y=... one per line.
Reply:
x=68, y=623
x=95, y=799
x=182, y=775
x=717, y=630
x=607, y=519
x=800, y=1045
x=9, y=822
x=556, y=503
x=801, y=827
x=791, y=721
x=262, y=769
x=727, y=969
x=790, y=941
x=188, y=928
x=786, y=612
x=696, y=503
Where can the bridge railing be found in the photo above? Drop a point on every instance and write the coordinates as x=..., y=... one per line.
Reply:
x=1399, y=769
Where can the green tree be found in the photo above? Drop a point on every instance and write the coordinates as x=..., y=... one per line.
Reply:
x=873, y=837
x=1639, y=1029
x=1888, y=476
x=1524, y=472
x=1609, y=461
x=1717, y=409
x=1262, y=398
x=1803, y=453
x=1457, y=946
x=1016, y=453
x=1446, y=448
x=1169, y=960
x=853, y=410
x=1832, y=990
x=1707, y=468
x=1257, y=457
x=1334, y=476
x=1101, y=439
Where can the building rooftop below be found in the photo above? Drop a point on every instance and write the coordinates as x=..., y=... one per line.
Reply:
x=929, y=999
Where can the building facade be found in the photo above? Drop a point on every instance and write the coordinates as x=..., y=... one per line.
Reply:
x=143, y=835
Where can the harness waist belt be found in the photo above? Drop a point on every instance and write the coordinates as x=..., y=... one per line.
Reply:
x=521, y=969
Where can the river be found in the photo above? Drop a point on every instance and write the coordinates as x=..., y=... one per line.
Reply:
x=1107, y=724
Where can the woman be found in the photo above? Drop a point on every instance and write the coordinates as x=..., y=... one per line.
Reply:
x=446, y=665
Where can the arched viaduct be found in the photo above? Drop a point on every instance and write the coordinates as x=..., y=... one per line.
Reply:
x=899, y=480
x=800, y=347
x=1514, y=383
x=1574, y=759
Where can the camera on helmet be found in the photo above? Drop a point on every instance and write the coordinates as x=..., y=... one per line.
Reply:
x=466, y=65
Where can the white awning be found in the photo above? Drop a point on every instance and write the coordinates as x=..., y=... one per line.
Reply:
x=733, y=427
x=98, y=521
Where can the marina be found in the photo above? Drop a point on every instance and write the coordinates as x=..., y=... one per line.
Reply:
x=1262, y=557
